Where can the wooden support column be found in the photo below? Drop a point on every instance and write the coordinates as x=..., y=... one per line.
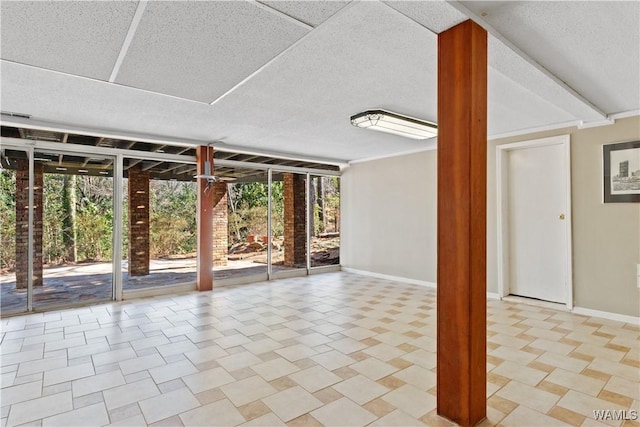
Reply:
x=204, y=217
x=462, y=187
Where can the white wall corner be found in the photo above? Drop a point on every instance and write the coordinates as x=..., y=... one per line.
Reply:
x=607, y=315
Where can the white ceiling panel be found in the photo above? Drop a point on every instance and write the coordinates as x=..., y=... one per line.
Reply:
x=513, y=66
x=58, y=97
x=593, y=46
x=364, y=57
x=199, y=50
x=77, y=37
x=437, y=16
x=512, y=107
x=310, y=12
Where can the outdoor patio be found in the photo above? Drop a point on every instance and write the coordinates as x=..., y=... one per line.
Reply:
x=75, y=284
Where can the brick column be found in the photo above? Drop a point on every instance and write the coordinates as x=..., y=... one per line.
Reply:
x=220, y=224
x=138, y=222
x=22, y=223
x=295, y=232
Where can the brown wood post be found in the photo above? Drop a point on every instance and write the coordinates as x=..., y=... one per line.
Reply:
x=462, y=187
x=204, y=216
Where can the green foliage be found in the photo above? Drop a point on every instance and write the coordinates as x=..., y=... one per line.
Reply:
x=172, y=216
x=173, y=219
x=7, y=219
x=248, y=207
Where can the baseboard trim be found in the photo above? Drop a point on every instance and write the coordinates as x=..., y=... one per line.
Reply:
x=493, y=295
x=607, y=315
x=389, y=277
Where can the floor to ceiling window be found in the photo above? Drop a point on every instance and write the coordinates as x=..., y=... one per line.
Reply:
x=86, y=219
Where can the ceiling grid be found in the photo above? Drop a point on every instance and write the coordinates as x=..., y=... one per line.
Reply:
x=285, y=76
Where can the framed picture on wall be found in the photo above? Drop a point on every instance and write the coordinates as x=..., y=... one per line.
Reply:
x=621, y=167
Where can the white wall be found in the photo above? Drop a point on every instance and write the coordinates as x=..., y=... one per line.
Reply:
x=388, y=211
x=389, y=220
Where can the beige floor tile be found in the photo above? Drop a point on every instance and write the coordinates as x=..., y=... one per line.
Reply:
x=374, y=368
x=207, y=354
x=247, y=390
x=239, y=360
x=333, y=360
x=207, y=380
x=130, y=393
x=531, y=397
x=520, y=373
x=275, y=368
x=420, y=377
x=625, y=387
x=586, y=405
x=384, y=352
x=135, y=421
x=41, y=365
x=180, y=347
x=267, y=420
x=411, y=400
x=172, y=371
x=421, y=357
x=291, y=403
x=88, y=416
x=567, y=363
x=96, y=383
x=343, y=412
x=262, y=346
x=360, y=389
x=389, y=330
x=571, y=380
x=347, y=345
x=20, y=393
x=113, y=356
x=220, y=413
x=42, y=407
x=141, y=364
x=525, y=417
x=396, y=418
x=600, y=351
x=315, y=378
x=513, y=355
x=168, y=404
x=68, y=373
x=296, y=352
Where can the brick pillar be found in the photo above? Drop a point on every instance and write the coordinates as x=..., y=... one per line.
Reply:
x=22, y=223
x=295, y=232
x=138, y=221
x=220, y=224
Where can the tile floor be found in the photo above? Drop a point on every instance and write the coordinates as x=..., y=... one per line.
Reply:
x=331, y=349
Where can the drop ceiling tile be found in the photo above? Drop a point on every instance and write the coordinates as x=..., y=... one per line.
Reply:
x=513, y=66
x=358, y=60
x=593, y=46
x=437, y=16
x=76, y=37
x=310, y=12
x=512, y=107
x=199, y=50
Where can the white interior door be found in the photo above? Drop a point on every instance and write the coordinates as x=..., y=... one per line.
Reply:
x=537, y=229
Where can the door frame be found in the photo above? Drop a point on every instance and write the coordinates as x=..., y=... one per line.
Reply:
x=503, y=213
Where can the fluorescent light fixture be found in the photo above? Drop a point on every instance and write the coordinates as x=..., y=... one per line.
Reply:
x=61, y=169
x=82, y=171
x=41, y=159
x=394, y=123
x=103, y=173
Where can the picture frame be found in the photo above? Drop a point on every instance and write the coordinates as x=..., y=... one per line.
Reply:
x=621, y=172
